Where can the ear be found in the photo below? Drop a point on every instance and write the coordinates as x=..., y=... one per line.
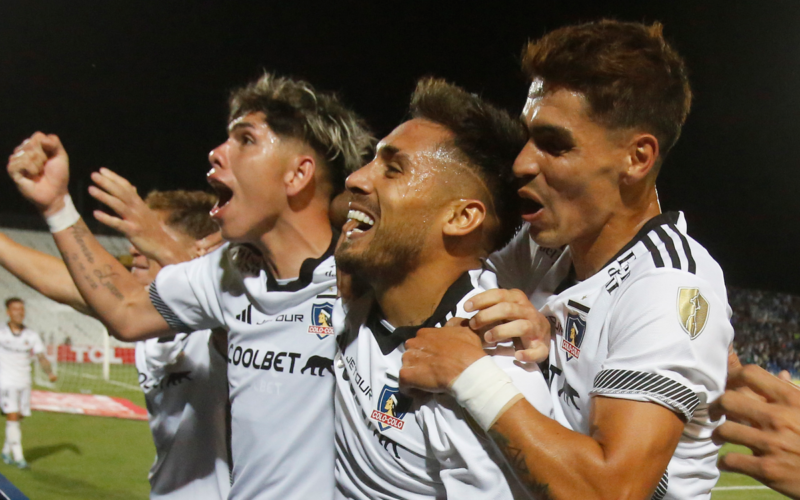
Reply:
x=464, y=217
x=300, y=174
x=643, y=157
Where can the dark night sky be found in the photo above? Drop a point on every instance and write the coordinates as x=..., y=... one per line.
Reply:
x=141, y=87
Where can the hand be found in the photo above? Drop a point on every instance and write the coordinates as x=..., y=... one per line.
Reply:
x=208, y=244
x=53, y=377
x=437, y=356
x=40, y=168
x=508, y=314
x=770, y=427
x=141, y=225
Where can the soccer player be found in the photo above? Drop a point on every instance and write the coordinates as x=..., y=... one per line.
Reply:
x=637, y=308
x=288, y=148
x=435, y=201
x=183, y=378
x=18, y=344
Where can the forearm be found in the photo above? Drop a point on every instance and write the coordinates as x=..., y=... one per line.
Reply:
x=44, y=273
x=45, y=364
x=118, y=299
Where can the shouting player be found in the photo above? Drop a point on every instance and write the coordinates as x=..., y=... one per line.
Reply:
x=289, y=147
x=183, y=378
x=17, y=345
x=435, y=201
x=637, y=309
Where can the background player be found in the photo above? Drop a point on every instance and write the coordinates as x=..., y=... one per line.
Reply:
x=638, y=310
x=18, y=345
x=183, y=378
x=435, y=201
x=288, y=149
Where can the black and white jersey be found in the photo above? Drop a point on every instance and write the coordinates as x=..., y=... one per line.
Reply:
x=389, y=445
x=280, y=363
x=652, y=325
x=17, y=350
x=185, y=388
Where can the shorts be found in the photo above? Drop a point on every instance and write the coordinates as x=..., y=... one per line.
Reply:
x=16, y=400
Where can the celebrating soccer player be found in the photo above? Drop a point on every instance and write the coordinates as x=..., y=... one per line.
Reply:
x=435, y=201
x=637, y=309
x=289, y=147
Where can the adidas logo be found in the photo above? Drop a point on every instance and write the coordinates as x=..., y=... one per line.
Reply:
x=246, y=316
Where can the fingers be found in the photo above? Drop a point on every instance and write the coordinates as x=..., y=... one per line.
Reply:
x=736, y=433
x=115, y=185
x=536, y=352
x=108, y=200
x=743, y=464
x=762, y=382
x=740, y=408
x=785, y=376
x=112, y=222
x=492, y=297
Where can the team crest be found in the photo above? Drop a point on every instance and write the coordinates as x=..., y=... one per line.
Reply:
x=321, y=320
x=692, y=311
x=573, y=336
x=389, y=414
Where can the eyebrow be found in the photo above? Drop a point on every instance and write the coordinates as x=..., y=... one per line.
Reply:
x=389, y=152
x=239, y=125
x=551, y=130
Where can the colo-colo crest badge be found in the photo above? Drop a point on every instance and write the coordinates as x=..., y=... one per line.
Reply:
x=392, y=407
x=321, y=320
x=573, y=335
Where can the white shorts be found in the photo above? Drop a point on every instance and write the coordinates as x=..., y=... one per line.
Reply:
x=16, y=400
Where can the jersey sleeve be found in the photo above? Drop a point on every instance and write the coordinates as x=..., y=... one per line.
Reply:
x=187, y=295
x=38, y=345
x=512, y=263
x=667, y=343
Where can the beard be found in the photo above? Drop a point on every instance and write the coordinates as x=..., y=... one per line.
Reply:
x=392, y=255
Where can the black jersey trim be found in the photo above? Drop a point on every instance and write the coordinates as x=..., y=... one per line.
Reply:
x=578, y=306
x=657, y=260
x=675, y=395
x=661, y=489
x=686, y=248
x=306, y=270
x=389, y=341
x=658, y=220
x=164, y=310
x=670, y=246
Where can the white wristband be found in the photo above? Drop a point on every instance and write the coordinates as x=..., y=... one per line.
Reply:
x=485, y=391
x=64, y=218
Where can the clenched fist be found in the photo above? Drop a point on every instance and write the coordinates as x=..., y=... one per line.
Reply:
x=40, y=168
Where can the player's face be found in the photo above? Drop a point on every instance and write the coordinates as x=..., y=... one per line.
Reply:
x=570, y=168
x=395, y=201
x=16, y=312
x=247, y=172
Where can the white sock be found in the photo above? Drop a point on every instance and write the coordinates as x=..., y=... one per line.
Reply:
x=14, y=439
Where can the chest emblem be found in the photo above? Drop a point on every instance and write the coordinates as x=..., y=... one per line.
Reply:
x=392, y=407
x=321, y=320
x=573, y=335
x=692, y=311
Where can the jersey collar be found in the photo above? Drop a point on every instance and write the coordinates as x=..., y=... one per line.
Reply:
x=306, y=270
x=389, y=340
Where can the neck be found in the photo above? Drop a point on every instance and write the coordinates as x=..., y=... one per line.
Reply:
x=15, y=327
x=295, y=237
x=414, y=299
x=590, y=254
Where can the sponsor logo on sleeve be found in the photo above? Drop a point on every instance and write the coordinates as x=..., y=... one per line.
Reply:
x=692, y=311
x=390, y=411
x=321, y=320
x=573, y=335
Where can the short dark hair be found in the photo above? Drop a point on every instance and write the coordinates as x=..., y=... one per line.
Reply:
x=11, y=300
x=293, y=108
x=188, y=211
x=629, y=74
x=488, y=138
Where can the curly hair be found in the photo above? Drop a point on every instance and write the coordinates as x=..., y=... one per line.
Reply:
x=488, y=138
x=293, y=108
x=629, y=74
x=188, y=210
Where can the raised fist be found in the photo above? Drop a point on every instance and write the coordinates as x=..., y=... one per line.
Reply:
x=40, y=168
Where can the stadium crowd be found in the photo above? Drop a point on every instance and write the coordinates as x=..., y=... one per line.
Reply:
x=433, y=331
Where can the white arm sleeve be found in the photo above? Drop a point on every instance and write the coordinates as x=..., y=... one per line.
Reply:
x=38, y=345
x=668, y=343
x=188, y=294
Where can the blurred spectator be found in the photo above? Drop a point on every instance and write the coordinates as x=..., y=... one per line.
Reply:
x=767, y=329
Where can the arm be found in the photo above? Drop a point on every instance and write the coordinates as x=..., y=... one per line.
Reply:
x=44, y=273
x=46, y=367
x=40, y=168
x=769, y=426
x=136, y=220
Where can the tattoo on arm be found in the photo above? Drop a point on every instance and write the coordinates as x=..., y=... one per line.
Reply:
x=104, y=275
x=516, y=459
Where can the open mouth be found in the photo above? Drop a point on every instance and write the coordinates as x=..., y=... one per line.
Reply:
x=357, y=222
x=529, y=206
x=224, y=195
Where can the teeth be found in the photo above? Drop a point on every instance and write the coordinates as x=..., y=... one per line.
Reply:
x=361, y=217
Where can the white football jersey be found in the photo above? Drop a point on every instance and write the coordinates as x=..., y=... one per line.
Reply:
x=652, y=325
x=16, y=353
x=280, y=364
x=186, y=390
x=389, y=445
